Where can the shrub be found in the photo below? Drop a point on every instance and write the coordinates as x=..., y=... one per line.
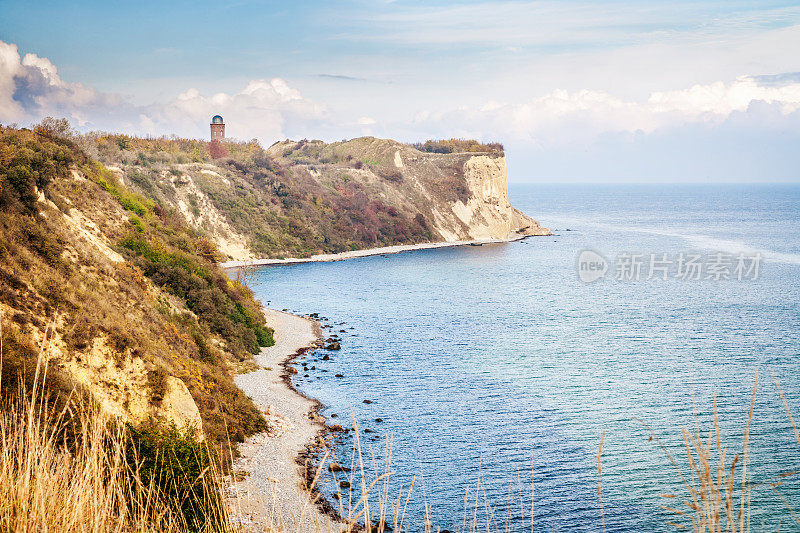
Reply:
x=217, y=150
x=447, y=146
x=220, y=303
x=31, y=160
x=137, y=224
x=389, y=173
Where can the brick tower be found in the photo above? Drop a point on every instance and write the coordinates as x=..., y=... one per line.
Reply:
x=217, y=128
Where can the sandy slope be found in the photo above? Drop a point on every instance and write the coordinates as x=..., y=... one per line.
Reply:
x=272, y=495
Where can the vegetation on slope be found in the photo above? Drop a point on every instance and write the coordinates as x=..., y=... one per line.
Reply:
x=279, y=202
x=163, y=301
x=87, y=472
x=449, y=146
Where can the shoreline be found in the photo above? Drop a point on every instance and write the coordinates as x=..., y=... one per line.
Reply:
x=274, y=493
x=366, y=252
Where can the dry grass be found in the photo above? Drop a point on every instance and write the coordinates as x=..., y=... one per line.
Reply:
x=716, y=477
x=717, y=480
x=66, y=470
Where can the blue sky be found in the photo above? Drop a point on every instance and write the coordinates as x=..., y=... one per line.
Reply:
x=578, y=91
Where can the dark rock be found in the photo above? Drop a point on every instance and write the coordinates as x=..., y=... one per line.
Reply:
x=367, y=401
x=344, y=484
x=381, y=525
x=339, y=375
x=326, y=357
x=333, y=346
x=379, y=420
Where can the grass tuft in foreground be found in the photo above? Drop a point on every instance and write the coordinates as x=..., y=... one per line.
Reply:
x=71, y=469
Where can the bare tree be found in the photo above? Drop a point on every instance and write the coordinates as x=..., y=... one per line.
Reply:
x=245, y=274
x=57, y=127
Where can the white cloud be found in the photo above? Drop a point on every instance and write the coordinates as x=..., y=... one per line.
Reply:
x=10, y=66
x=561, y=117
x=723, y=99
x=31, y=88
x=263, y=109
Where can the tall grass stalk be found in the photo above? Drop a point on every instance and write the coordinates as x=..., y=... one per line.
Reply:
x=718, y=487
x=65, y=470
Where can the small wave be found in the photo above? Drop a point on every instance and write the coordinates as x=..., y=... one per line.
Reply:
x=726, y=245
x=702, y=242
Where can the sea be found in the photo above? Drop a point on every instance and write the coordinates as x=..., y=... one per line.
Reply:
x=556, y=383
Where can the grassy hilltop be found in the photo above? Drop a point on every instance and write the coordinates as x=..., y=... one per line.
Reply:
x=299, y=198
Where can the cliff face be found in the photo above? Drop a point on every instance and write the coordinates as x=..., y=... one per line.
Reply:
x=464, y=195
x=486, y=213
x=300, y=198
x=84, y=328
x=120, y=299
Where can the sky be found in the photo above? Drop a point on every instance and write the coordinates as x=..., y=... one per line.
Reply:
x=644, y=91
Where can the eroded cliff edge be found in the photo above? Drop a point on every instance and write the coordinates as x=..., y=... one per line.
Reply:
x=302, y=198
x=463, y=195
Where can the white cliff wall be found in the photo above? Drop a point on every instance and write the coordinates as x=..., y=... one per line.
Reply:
x=488, y=214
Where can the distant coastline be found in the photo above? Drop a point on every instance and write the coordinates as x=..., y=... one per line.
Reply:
x=367, y=252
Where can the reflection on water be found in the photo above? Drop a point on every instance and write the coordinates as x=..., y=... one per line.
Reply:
x=496, y=362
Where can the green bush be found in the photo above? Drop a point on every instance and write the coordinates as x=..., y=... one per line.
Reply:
x=448, y=146
x=31, y=160
x=181, y=467
x=137, y=223
x=224, y=306
x=131, y=204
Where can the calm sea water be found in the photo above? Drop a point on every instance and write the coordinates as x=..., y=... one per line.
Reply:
x=494, y=368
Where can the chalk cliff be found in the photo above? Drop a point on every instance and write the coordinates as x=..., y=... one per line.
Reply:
x=301, y=198
x=464, y=195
